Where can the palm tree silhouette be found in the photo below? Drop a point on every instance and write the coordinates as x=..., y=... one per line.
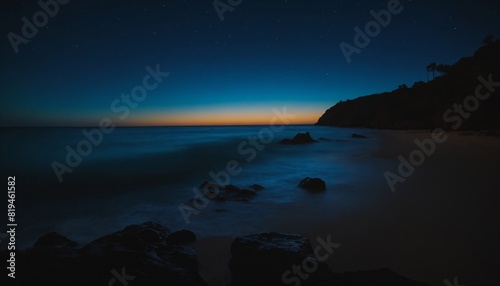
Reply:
x=431, y=68
x=443, y=69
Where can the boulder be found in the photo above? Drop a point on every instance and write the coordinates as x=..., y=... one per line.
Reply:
x=181, y=237
x=54, y=240
x=54, y=245
x=264, y=259
x=300, y=138
x=313, y=184
x=140, y=254
x=133, y=238
x=149, y=254
x=271, y=259
x=257, y=187
x=227, y=192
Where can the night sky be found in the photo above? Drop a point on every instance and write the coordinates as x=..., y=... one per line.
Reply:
x=265, y=54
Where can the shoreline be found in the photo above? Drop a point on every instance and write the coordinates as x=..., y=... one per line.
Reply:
x=442, y=222
x=436, y=226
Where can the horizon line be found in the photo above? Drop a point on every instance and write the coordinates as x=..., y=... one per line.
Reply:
x=139, y=126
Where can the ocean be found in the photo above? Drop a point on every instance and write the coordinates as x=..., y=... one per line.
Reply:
x=139, y=174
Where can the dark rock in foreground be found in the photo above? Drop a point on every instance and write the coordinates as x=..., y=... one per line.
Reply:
x=300, y=138
x=228, y=192
x=139, y=254
x=264, y=259
x=53, y=241
x=149, y=254
x=313, y=184
x=274, y=259
x=181, y=237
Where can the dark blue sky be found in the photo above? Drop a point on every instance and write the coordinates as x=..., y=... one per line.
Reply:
x=264, y=55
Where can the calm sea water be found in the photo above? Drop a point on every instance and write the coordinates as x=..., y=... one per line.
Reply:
x=145, y=173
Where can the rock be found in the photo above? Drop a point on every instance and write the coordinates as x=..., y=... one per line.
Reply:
x=313, y=184
x=233, y=193
x=181, y=237
x=354, y=135
x=54, y=240
x=263, y=259
x=228, y=192
x=256, y=187
x=148, y=254
x=133, y=238
x=54, y=245
x=144, y=254
x=300, y=138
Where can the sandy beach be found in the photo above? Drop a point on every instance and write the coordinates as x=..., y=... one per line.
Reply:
x=442, y=222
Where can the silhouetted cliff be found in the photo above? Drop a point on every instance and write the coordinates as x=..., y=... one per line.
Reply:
x=428, y=105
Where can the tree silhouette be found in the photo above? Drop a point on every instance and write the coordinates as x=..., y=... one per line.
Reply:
x=418, y=83
x=431, y=68
x=488, y=40
x=443, y=69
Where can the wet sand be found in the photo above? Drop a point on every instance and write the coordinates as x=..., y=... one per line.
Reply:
x=442, y=222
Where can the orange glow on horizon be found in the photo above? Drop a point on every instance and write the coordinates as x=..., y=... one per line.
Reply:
x=255, y=117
